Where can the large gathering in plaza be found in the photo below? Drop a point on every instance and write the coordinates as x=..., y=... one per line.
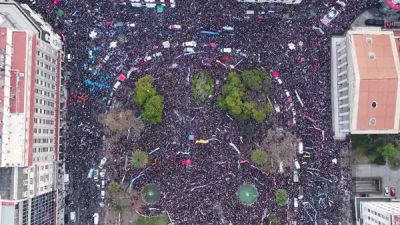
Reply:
x=194, y=112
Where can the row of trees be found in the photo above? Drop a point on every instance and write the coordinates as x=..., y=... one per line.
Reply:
x=151, y=103
x=244, y=95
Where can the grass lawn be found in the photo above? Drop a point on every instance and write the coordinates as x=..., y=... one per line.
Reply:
x=160, y=220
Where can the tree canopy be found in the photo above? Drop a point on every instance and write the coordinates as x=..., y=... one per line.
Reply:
x=144, y=89
x=202, y=86
x=139, y=159
x=389, y=151
x=119, y=124
x=153, y=109
x=259, y=157
x=245, y=96
x=281, y=197
x=114, y=187
x=146, y=97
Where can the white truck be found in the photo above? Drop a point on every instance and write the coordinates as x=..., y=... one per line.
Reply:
x=72, y=217
x=96, y=219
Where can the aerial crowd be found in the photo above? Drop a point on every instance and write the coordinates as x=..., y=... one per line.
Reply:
x=106, y=38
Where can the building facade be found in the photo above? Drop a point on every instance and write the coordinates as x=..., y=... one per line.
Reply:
x=30, y=76
x=272, y=1
x=365, y=83
x=380, y=213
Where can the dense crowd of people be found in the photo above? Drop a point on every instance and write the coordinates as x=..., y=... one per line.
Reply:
x=106, y=38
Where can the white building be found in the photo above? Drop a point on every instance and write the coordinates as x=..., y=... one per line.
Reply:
x=272, y=1
x=30, y=76
x=380, y=213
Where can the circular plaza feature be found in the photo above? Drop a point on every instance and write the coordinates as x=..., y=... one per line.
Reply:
x=247, y=194
x=151, y=193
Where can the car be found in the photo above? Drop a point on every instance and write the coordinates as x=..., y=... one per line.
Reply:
x=375, y=22
x=226, y=50
x=175, y=27
x=301, y=195
x=157, y=54
x=131, y=25
x=101, y=204
x=387, y=191
x=287, y=93
x=189, y=50
x=250, y=12
x=227, y=28
x=295, y=203
x=103, y=173
x=102, y=162
x=106, y=58
x=300, y=147
x=116, y=86
x=392, y=191
x=69, y=58
x=189, y=44
x=102, y=194
x=295, y=176
x=95, y=175
x=103, y=184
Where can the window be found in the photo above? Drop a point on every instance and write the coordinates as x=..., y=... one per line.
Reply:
x=369, y=40
x=371, y=55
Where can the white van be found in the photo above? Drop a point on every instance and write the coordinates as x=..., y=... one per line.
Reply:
x=301, y=195
x=96, y=218
x=102, y=194
x=296, y=164
x=72, y=217
x=295, y=203
x=300, y=147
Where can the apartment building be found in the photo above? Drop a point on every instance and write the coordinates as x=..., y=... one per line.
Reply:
x=30, y=76
x=380, y=213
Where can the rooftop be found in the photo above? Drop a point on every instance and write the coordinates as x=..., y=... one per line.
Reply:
x=376, y=69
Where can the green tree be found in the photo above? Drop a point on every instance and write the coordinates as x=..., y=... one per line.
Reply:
x=259, y=157
x=118, y=208
x=281, y=197
x=159, y=220
x=253, y=79
x=272, y=218
x=114, y=187
x=389, y=151
x=144, y=90
x=202, y=86
x=153, y=109
x=244, y=97
x=139, y=159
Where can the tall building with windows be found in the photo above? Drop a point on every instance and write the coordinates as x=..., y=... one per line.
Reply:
x=30, y=74
x=379, y=213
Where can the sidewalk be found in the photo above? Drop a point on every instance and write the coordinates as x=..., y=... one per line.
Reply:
x=389, y=177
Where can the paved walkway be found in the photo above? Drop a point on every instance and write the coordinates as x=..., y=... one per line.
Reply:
x=389, y=177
